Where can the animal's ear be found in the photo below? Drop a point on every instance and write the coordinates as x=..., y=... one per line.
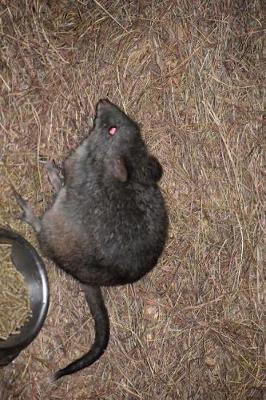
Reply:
x=118, y=170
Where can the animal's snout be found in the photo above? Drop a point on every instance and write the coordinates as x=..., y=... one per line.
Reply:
x=104, y=107
x=103, y=104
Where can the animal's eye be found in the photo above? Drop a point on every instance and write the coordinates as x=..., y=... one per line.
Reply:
x=112, y=131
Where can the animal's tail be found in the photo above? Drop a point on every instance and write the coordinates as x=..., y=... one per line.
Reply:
x=99, y=312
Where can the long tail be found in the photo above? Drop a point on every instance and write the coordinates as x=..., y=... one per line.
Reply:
x=99, y=312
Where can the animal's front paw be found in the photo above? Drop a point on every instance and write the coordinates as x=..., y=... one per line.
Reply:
x=54, y=176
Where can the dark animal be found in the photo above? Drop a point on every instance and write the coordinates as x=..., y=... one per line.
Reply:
x=108, y=223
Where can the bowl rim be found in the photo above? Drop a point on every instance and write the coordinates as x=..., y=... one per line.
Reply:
x=14, y=341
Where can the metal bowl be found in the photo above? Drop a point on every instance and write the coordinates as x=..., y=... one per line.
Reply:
x=28, y=262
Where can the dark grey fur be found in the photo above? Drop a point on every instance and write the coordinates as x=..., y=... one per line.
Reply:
x=108, y=224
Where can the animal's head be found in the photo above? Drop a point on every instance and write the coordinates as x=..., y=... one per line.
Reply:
x=116, y=141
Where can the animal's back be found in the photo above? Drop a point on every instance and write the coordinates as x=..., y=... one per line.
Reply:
x=121, y=231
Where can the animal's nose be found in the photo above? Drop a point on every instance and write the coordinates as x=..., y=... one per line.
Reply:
x=102, y=103
x=103, y=107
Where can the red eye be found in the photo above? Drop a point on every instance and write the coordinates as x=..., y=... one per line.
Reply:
x=112, y=130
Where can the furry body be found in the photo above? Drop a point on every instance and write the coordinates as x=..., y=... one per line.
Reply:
x=108, y=223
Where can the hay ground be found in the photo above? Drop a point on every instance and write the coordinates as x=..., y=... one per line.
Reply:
x=192, y=73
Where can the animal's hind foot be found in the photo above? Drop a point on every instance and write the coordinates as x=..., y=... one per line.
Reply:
x=54, y=176
x=27, y=214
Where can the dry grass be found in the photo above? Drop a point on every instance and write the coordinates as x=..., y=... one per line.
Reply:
x=192, y=73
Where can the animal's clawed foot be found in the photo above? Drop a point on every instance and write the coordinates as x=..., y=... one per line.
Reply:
x=27, y=214
x=54, y=176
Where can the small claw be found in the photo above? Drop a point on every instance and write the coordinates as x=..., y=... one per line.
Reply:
x=21, y=202
x=27, y=214
x=20, y=216
x=49, y=165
